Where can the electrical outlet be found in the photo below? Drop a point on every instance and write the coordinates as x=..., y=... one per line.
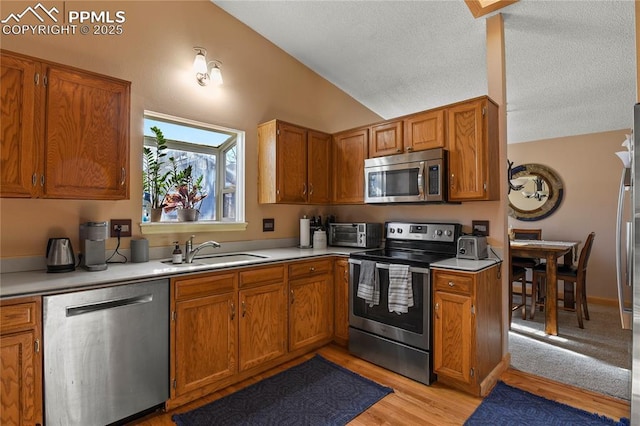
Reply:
x=268, y=225
x=124, y=225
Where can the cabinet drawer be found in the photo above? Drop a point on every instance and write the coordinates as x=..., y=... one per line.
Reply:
x=259, y=276
x=204, y=285
x=451, y=282
x=19, y=316
x=301, y=269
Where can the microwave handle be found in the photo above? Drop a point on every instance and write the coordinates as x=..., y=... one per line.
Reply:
x=421, y=180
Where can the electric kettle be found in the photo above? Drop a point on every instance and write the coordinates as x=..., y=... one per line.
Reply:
x=60, y=256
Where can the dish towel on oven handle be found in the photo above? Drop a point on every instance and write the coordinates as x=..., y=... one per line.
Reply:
x=368, y=284
x=400, y=289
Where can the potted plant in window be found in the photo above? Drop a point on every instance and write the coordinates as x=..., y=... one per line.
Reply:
x=187, y=194
x=154, y=181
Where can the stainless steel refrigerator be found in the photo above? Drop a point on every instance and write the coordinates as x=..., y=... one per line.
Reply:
x=635, y=266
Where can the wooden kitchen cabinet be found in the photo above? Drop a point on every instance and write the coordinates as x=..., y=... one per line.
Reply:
x=67, y=133
x=472, y=142
x=263, y=316
x=21, y=367
x=310, y=303
x=467, y=341
x=293, y=164
x=350, y=149
x=341, y=305
x=205, y=331
x=424, y=130
x=386, y=139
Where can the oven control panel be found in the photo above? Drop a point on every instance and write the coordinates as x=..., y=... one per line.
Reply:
x=421, y=231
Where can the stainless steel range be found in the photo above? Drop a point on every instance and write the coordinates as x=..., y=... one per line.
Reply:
x=398, y=336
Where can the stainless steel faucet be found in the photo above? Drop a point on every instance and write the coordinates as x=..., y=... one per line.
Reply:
x=190, y=252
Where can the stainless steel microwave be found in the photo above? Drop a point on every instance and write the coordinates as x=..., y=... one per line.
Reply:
x=365, y=235
x=416, y=177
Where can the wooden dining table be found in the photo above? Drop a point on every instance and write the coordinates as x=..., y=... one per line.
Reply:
x=550, y=251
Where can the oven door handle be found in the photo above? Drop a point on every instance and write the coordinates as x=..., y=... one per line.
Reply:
x=412, y=269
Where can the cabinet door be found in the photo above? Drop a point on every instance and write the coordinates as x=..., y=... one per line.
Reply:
x=424, y=131
x=452, y=340
x=386, y=139
x=310, y=311
x=341, y=290
x=291, y=160
x=467, y=152
x=20, y=84
x=318, y=170
x=87, y=136
x=263, y=324
x=18, y=402
x=349, y=153
x=206, y=341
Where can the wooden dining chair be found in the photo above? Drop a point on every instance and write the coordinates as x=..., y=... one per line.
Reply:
x=577, y=274
x=528, y=264
x=517, y=274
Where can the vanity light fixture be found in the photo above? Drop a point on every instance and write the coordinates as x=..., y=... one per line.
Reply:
x=204, y=75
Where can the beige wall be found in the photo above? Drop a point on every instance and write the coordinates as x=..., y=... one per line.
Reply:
x=590, y=172
x=156, y=54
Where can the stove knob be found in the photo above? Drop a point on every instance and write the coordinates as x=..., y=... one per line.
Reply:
x=391, y=230
x=399, y=230
x=449, y=233
x=439, y=232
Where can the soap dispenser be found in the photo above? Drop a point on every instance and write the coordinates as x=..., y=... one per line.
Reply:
x=177, y=253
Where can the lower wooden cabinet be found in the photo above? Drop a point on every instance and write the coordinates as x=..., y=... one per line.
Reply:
x=21, y=366
x=467, y=322
x=341, y=305
x=310, y=303
x=205, y=331
x=263, y=316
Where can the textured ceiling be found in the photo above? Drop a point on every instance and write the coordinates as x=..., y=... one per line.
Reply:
x=570, y=65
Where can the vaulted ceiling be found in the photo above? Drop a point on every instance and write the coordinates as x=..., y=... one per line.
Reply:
x=570, y=65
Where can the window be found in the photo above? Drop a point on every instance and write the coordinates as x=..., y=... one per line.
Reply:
x=214, y=153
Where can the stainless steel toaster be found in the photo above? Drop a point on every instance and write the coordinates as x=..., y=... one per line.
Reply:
x=472, y=247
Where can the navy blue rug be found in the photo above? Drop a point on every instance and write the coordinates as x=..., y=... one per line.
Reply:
x=506, y=405
x=316, y=392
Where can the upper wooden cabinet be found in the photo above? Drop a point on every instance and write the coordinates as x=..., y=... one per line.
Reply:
x=424, y=130
x=67, y=133
x=293, y=164
x=348, y=154
x=472, y=141
x=386, y=139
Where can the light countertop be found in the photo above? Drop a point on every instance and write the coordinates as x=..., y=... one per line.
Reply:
x=40, y=282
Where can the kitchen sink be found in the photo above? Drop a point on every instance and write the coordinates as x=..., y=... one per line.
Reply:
x=220, y=259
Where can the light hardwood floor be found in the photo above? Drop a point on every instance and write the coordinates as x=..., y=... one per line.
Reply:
x=413, y=403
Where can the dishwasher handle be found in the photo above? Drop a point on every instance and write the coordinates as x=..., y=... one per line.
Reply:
x=110, y=304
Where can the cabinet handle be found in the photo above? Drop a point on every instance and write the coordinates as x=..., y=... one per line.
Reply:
x=452, y=179
x=304, y=189
x=346, y=277
x=34, y=179
x=451, y=284
x=311, y=269
x=409, y=149
x=233, y=311
x=42, y=180
x=36, y=78
x=398, y=150
x=244, y=309
x=124, y=176
x=293, y=298
x=311, y=189
x=437, y=310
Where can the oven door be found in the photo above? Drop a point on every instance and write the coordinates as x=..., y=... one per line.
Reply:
x=412, y=328
x=395, y=183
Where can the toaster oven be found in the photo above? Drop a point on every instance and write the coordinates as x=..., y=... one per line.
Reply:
x=364, y=235
x=472, y=247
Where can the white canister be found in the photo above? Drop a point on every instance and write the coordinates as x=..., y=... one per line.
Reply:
x=319, y=240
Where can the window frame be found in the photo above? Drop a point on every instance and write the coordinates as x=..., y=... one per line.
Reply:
x=239, y=224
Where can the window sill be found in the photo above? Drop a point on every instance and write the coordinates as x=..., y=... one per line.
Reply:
x=190, y=227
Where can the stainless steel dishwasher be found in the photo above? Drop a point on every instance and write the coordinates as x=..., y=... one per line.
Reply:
x=106, y=353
